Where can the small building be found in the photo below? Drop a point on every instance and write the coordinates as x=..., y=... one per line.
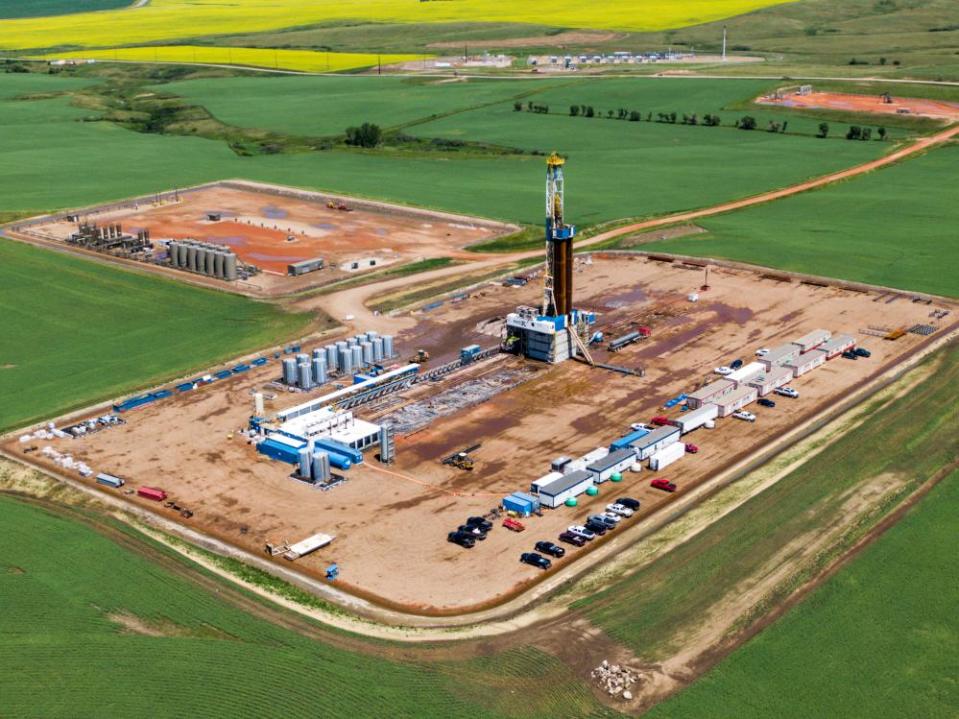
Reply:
x=746, y=372
x=554, y=493
x=603, y=469
x=836, y=345
x=696, y=418
x=780, y=355
x=736, y=400
x=656, y=440
x=666, y=456
x=214, y=216
x=625, y=441
x=771, y=379
x=522, y=503
x=304, y=266
x=812, y=340
x=710, y=393
x=806, y=363
x=282, y=448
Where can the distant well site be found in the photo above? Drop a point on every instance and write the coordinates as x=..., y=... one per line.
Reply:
x=264, y=239
x=413, y=467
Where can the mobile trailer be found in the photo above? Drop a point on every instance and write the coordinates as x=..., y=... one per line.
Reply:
x=665, y=457
x=603, y=469
x=557, y=491
x=656, y=440
x=697, y=418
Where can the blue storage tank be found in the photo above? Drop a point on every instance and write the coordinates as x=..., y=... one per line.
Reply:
x=332, y=446
x=223, y=374
x=624, y=442
x=163, y=394
x=338, y=460
x=185, y=387
x=241, y=368
x=259, y=362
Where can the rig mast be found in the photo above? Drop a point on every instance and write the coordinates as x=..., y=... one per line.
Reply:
x=558, y=274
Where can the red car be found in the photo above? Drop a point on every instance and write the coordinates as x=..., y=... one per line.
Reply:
x=692, y=448
x=660, y=420
x=513, y=524
x=663, y=484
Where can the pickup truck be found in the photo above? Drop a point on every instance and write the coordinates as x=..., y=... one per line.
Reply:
x=663, y=484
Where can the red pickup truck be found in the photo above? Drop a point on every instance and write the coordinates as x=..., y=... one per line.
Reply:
x=513, y=524
x=660, y=420
x=663, y=484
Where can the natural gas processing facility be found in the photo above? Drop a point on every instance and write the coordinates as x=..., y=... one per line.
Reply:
x=413, y=462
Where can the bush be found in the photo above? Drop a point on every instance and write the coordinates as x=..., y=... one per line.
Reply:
x=366, y=135
x=748, y=122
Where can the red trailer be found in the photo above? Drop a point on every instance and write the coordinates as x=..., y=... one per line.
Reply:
x=157, y=495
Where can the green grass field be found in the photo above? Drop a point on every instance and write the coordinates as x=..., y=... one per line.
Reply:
x=42, y=8
x=893, y=227
x=76, y=331
x=912, y=437
x=208, y=658
x=877, y=640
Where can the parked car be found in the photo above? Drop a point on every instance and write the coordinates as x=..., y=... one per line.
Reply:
x=620, y=509
x=660, y=420
x=610, y=521
x=735, y=364
x=475, y=531
x=636, y=426
x=850, y=354
x=766, y=402
x=762, y=352
x=724, y=370
x=663, y=484
x=461, y=538
x=596, y=527
x=581, y=531
x=787, y=392
x=862, y=352
x=629, y=503
x=535, y=560
x=483, y=524
x=745, y=416
x=513, y=524
x=570, y=538
x=691, y=448
x=554, y=550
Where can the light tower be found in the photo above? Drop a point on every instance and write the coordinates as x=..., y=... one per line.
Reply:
x=558, y=274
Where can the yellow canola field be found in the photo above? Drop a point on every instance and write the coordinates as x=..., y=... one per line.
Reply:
x=303, y=60
x=167, y=20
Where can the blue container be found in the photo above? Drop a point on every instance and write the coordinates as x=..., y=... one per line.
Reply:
x=223, y=374
x=259, y=362
x=624, y=442
x=133, y=403
x=163, y=394
x=185, y=387
x=241, y=368
x=279, y=451
x=520, y=506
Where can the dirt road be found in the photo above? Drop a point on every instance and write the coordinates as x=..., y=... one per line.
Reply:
x=352, y=302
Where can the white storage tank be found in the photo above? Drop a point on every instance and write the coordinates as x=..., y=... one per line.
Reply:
x=387, y=346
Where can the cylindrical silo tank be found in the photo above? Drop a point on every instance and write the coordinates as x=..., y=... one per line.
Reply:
x=229, y=267
x=191, y=258
x=304, y=377
x=202, y=253
x=345, y=361
x=357, y=353
x=304, y=464
x=331, y=357
x=360, y=338
x=371, y=335
x=367, y=348
x=377, y=349
x=182, y=261
x=321, y=466
x=318, y=352
x=302, y=357
x=289, y=371
x=351, y=342
x=174, y=254
x=387, y=346
x=218, y=265
x=319, y=370
x=211, y=262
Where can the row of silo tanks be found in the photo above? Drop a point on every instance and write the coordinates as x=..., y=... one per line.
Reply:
x=314, y=465
x=344, y=357
x=203, y=259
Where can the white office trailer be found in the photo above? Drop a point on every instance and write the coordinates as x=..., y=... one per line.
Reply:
x=812, y=340
x=658, y=439
x=553, y=493
x=745, y=373
x=710, y=393
x=780, y=355
x=806, y=363
x=666, y=456
x=771, y=379
x=836, y=345
x=696, y=418
x=736, y=400
x=618, y=461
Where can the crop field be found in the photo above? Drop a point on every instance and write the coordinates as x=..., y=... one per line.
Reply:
x=894, y=227
x=88, y=331
x=164, y=20
x=908, y=439
x=40, y=8
x=302, y=60
x=621, y=168
x=118, y=617
x=877, y=640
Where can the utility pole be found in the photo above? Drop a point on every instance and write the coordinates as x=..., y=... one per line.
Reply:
x=724, y=43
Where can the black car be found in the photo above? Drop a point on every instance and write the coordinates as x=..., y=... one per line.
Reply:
x=595, y=527
x=474, y=532
x=736, y=364
x=849, y=354
x=573, y=539
x=765, y=402
x=535, y=560
x=550, y=548
x=629, y=503
x=461, y=538
x=862, y=352
x=483, y=524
